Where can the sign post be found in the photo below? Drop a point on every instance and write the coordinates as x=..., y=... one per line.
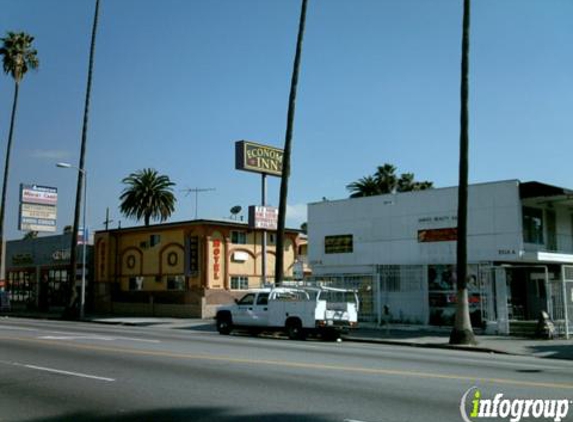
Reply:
x=267, y=160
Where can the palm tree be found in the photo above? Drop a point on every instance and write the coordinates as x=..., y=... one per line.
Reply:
x=406, y=183
x=17, y=57
x=386, y=178
x=365, y=186
x=386, y=181
x=147, y=196
x=71, y=291
x=462, y=332
x=279, y=260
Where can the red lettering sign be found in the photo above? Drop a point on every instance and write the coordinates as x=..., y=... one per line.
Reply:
x=216, y=259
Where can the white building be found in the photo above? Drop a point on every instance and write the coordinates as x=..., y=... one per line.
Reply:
x=520, y=251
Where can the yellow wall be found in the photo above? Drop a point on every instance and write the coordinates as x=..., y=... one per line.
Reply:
x=128, y=253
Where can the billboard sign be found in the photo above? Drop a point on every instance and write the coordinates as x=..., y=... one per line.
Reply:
x=265, y=218
x=38, y=210
x=34, y=194
x=258, y=158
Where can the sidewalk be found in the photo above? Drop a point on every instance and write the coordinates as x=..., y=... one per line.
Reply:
x=439, y=338
x=413, y=336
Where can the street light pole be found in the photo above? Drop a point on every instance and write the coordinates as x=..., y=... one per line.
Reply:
x=84, y=236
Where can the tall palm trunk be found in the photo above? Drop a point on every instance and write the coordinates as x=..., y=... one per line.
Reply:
x=279, y=261
x=462, y=332
x=5, y=182
x=71, y=291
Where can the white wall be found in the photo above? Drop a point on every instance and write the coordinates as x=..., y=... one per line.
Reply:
x=385, y=228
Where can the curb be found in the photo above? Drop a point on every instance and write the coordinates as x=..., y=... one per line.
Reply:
x=479, y=349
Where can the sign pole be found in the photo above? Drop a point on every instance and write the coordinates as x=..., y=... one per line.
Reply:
x=264, y=203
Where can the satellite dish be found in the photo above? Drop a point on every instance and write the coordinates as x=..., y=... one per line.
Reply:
x=236, y=209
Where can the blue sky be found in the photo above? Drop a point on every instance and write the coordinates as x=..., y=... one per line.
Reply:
x=177, y=82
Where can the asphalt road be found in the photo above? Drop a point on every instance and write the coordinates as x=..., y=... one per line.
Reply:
x=58, y=371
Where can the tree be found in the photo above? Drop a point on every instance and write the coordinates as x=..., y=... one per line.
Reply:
x=366, y=186
x=386, y=178
x=462, y=332
x=71, y=309
x=147, y=196
x=386, y=181
x=283, y=196
x=30, y=235
x=17, y=57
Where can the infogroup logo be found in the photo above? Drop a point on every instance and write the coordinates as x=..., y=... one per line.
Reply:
x=474, y=407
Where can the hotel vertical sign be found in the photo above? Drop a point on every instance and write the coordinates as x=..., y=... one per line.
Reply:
x=258, y=158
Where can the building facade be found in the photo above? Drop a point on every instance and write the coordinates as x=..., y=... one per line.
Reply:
x=182, y=269
x=520, y=252
x=38, y=270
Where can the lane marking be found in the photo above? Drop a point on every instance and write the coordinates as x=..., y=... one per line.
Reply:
x=317, y=366
x=95, y=337
x=6, y=327
x=62, y=372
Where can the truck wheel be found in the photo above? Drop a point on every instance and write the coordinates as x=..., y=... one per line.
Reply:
x=295, y=330
x=224, y=325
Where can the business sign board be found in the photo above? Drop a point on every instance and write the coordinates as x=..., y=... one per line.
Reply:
x=258, y=158
x=37, y=224
x=38, y=210
x=265, y=218
x=34, y=194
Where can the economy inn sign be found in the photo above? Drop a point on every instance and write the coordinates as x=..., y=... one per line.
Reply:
x=258, y=158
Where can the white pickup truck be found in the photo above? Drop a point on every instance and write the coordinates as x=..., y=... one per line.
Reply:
x=297, y=311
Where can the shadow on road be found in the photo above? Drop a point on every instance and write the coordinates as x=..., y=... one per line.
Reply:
x=195, y=414
x=210, y=327
x=556, y=351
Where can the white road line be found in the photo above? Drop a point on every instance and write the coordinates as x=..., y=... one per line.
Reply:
x=59, y=371
x=5, y=327
x=79, y=336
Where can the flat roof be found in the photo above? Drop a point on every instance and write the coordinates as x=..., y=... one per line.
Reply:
x=199, y=222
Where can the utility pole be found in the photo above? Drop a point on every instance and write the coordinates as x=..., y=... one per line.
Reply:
x=197, y=190
x=107, y=219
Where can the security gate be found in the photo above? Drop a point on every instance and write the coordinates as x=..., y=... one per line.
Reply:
x=562, y=295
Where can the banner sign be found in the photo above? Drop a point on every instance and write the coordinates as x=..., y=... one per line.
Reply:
x=263, y=217
x=258, y=158
x=343, y=243
x=438, y=235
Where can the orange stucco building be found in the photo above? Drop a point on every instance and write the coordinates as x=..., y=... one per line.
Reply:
x=182, y=269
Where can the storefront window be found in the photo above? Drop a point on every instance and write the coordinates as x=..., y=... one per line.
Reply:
x=21, y=287
x=442, y=290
